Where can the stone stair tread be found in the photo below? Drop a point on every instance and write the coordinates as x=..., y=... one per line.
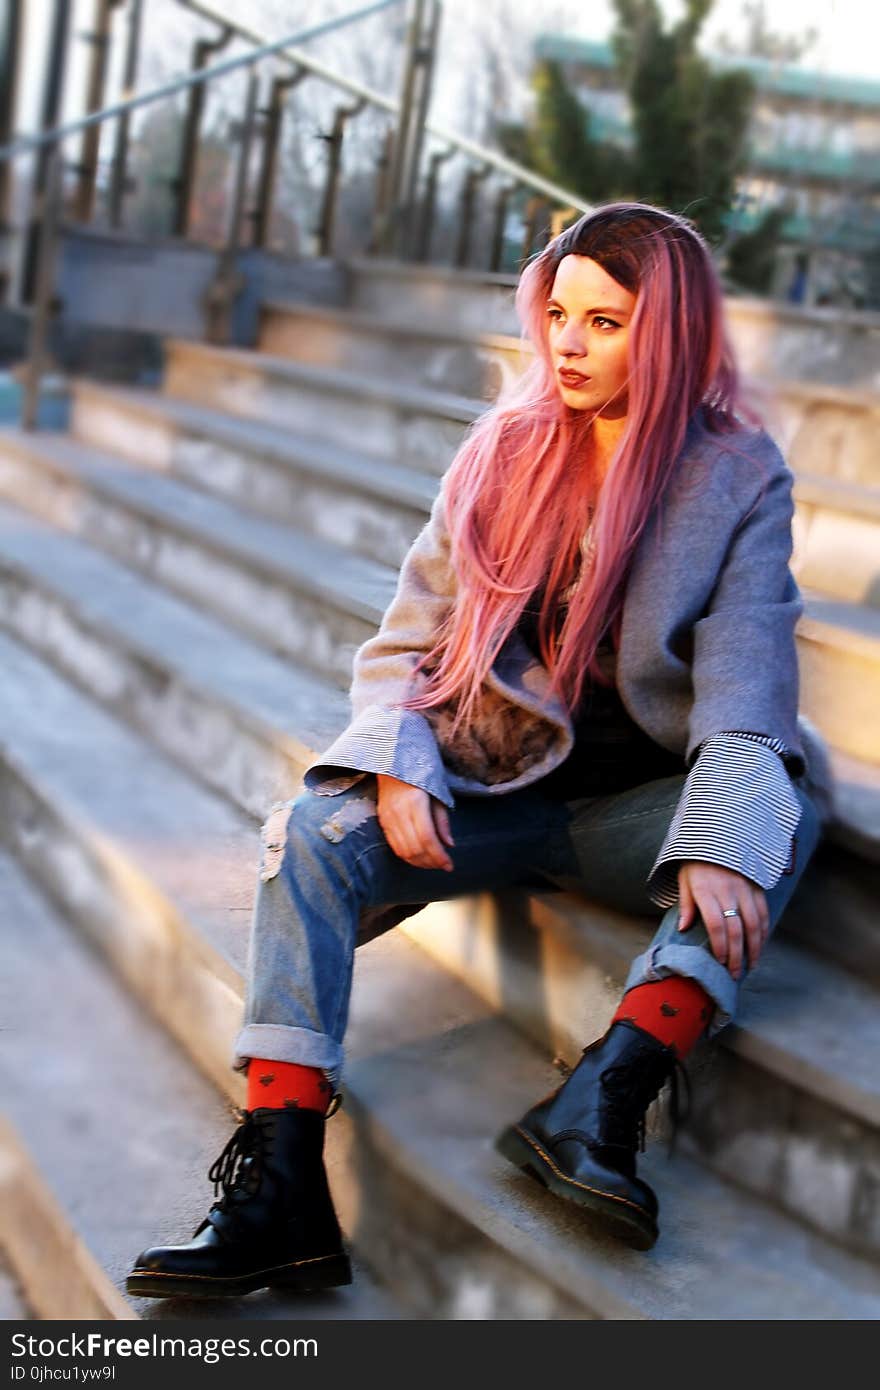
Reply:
x=796, y=1028
x=858, y=801
x=119, y=1123
x=451, y=332
x=803, y=1018
x=849, y=624
x=177, y=637
x=92, y=778
x=296, y=702
x=837, y=494
x=408, y=271
x=326, y=457
x=364, y=321
x=439, y=1073
x=493, y=293
x=120, y=788
x=362, y=585
x=348, y=383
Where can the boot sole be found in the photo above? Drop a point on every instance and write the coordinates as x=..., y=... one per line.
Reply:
x=614, y=1215
x=306, y=1276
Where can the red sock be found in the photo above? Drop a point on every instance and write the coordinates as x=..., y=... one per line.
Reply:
x=275, y=1084
x=675, y=1011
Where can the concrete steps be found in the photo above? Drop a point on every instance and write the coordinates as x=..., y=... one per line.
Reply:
x=836, y=536
x=238, y=718
x=839, y=659
x=404, y=423
x=299, y=595
x=467, y=363
x=368, y=506
x=786, y=1103
x=823, y=430
x=108, y=1136
x=184, y=585
x=421, y=1192
x=307, y=598
x=376, y=508
x=826, y=346
x=234, y=714
x=827, y=431
x=44, y=779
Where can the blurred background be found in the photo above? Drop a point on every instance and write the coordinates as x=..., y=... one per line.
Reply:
x=257, y=265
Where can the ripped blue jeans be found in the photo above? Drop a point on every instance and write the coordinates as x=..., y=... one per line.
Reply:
x=329, y=881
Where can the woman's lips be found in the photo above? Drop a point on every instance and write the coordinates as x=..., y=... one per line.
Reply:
x=573, y=378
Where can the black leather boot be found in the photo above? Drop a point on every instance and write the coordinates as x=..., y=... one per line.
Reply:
x=581, y=1141
x=273, y=1227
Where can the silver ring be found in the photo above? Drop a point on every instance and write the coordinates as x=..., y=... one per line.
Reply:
x=730, y=912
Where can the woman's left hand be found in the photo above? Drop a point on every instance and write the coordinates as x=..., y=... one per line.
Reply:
x=708, y=889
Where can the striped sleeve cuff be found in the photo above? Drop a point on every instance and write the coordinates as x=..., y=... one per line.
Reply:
x=383, y=738
x=738, y=808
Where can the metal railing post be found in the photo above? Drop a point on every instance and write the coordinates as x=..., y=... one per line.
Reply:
x=99, y=37
x=426, y=221
x=424, y=75
x=182, y=183
x=326, y=222
x=10, y=34
x=401, y=176
x=228, y=280
x=119, y=176
x=268, y=177
x=242, y=171
x=473, y=178
x=44, y=271
x=49, y=119
x=499, y=218
x=383, y=189
x=534, y=209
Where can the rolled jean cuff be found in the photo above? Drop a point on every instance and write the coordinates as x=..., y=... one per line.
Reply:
x=659, y=962
x=277, y=1042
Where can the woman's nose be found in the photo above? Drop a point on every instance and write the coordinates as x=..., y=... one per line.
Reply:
x=570, y=342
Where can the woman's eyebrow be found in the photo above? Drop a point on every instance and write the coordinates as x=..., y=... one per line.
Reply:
x=598, y=309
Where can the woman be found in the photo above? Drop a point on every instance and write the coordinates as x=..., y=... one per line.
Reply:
x=592, y=644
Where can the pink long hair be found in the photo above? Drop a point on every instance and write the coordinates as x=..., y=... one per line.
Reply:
x=519, y=490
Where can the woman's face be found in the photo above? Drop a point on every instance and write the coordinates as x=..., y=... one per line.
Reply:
x=589, y=317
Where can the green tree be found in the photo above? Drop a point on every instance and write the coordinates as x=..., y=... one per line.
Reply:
x=689, y=123
x=751, y=260
x=562, y=145
x=558, y=144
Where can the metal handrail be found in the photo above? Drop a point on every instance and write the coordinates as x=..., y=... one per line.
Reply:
x=500, y=163
x=50, y=141
x=285, y=48
x=25, y=144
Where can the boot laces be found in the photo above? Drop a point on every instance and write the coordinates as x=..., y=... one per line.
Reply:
x=631, y=1090
x=238, y=1168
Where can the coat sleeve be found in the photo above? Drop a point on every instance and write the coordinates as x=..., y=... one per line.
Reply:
x=738, y=808
x=745, y=664
x=381, y=738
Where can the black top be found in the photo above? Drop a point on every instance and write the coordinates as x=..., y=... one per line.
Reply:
x=611, y=752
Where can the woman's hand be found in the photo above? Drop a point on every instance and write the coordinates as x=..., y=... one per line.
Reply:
x=708, y=889
x=414, y=823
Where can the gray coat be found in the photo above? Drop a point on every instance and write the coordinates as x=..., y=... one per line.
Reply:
x=707, y=644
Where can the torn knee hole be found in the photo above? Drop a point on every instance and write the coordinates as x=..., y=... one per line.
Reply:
x=273, y=837
x=348, y=817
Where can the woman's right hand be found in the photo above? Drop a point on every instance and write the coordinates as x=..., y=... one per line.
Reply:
x=414, y=823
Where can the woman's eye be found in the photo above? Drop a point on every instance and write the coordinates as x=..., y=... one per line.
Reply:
x=600, y=318
x=554, y=313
